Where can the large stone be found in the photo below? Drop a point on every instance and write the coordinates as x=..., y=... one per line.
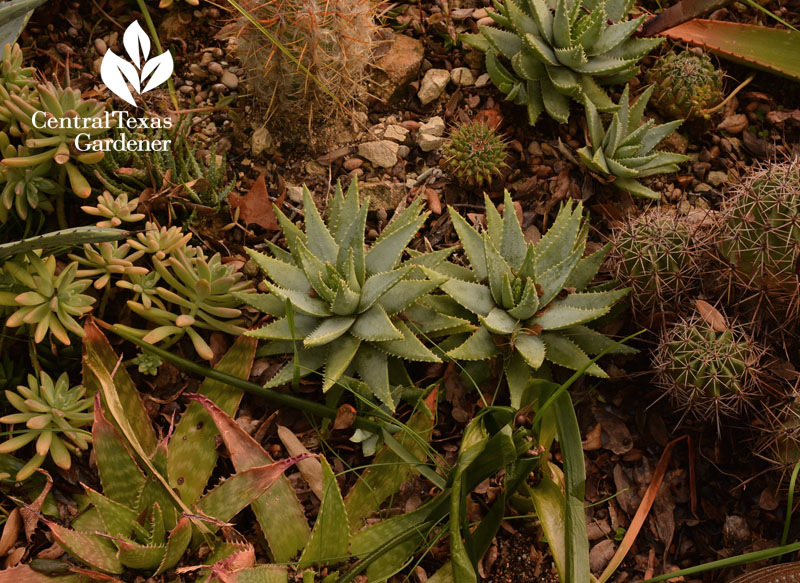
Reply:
x=428, y=142
x=433, y=85
x=433, y=127
x=383, y=195
x=395, y=70
x=381, y=153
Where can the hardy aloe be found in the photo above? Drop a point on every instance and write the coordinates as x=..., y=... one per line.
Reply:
x=532, y=301
x=337, y=301
x=561, y=50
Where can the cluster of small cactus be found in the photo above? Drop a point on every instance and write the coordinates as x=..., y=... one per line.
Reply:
x=560, y=51
x=475, y=154
x=685, y=84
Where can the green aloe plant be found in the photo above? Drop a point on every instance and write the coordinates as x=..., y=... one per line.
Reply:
x=337, y=301
x=561, y=50
x=532, y=301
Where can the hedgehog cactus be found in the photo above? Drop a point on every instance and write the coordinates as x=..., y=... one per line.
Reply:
x=660, y=255
x=707, y=373
x=475, y=154
x=560, y=50
x=685, y=84
x=331, y=41
x=532, y=301
x=760, y=234
x=779, y=440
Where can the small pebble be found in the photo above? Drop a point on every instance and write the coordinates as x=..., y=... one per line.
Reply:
x=230, y=80
x=215, y=68
x=100, y=46
x=352, y=163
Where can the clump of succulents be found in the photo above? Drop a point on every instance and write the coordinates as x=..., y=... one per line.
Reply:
x=685, y=84
x=50, y=302
x=660, y=255
x=53, y=414
x=760, y=231
x=475, y=154
x=14, y=77
x=705, y=370
x=560, y=50
x=101, y=261
x=532, y=301
x=114, y=210
x=160, y=241
x=25, y=188
x=624, y=150
x=338, y=302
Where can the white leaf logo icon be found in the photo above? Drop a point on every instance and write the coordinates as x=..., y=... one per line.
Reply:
x=117, y=73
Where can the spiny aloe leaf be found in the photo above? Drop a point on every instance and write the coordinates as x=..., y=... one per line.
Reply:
x=479, y=346
x=259, y=574
x=409, y=347
x=25, y=574
x=278, y=511
x=117, y=518
x=91, y=549
x=192, y=454
x=331, y=534
x=387, y=250
x=64, y=238
x=177, y=543
x=137, y=556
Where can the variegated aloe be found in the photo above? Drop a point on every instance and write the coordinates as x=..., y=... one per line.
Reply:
x=337, y=301
x=532, y=301
x=561, y=50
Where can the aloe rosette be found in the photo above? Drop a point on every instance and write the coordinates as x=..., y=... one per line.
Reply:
x=560, y=50
x=532, y=301
x=624, y=150
x=338, y=302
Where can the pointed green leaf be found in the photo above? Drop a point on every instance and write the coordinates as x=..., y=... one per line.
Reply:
x=91, y=549
x=385, y=254
x=375, y=325
x=373, y=368
x=318, y=239
x=409, y=347
x=499, y=322
x=283, y=274
x=479, y=346
x=564, y=352
x=143, y=557
x=378, y=284
x=330, y=537
x=472, y=243
x=177, y=543
x=475, y=297
x=329, y=330
x=340, y=355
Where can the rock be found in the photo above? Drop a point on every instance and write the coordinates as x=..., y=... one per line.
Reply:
x=428, y=143
x=462, y=76
x=314, y=168
x=403, y=152
x=432, y=85
x=702, y=187
x=261, y=141
x=230, y=80
x=100, y=46
x=383, y=195
x=479, y=13
x=352, y=164
x=433, y=127
x=601, y=554
x=735, y=531
x=215, y=68
x=381, y=153
x=482, y=80
x=395, y=70
x=396, y=133
x=717, y=177
x=295, y=193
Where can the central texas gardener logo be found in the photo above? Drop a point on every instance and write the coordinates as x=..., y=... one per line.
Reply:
x=117, y=73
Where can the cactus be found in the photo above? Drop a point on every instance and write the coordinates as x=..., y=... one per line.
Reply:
x=706, y=373
x=330, y=39
x=475, y=153
x=685, y=84
x=625, y=149
x=778, y=441
x=561, y=50
x=660, y=255
x=53, y=414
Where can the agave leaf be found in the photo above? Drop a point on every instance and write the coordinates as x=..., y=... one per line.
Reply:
x=93, y=550
x=479, y=346
x=331, y=534
x=564, y=352
x=278, y=511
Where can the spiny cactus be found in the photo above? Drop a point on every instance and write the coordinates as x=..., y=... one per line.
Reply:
x=778, y=440
x=624, y=150
x=331, y=39
x=685, y=84
x=538, y=302
x=338, y=301
x=475, y=153
x=708, y=374
x=760, y=232
x=53, y=414
x=561, y=50
x=660, y=255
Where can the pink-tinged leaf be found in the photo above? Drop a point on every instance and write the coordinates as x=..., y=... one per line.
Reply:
x=679, y=13
x=160, y=68
x=24, y=574
x=116, y=73
x=177, y=543
x=91, y=549
x=768, y=49
x=278, y=511
x=137, y=44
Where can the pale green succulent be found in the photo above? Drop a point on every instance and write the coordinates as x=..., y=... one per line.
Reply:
x=52, y=302
x=147, y=363
x=101, y=261
x=625, y=149
x=561, y=50
x=25, y=189
x=338, y=302
x=13, y=76
x=203, y=294
x=532, y=301
x=160, y=241
x=114, y=210
x=53, y=414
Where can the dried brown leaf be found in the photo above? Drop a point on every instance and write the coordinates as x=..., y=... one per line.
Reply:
x=712, y=316
x=255, y=207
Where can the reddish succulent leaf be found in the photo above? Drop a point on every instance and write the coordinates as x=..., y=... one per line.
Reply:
x=24, y=574
x=255, y=207
x=90, y=549
x=680, y=13
x=768, y=49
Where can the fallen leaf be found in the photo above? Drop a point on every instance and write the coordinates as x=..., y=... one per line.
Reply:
x=255, y=207
x=10, y=531
x=711, y=315
x=345, y=416
x=733, y=123
x=434, y=202
x=310, y=468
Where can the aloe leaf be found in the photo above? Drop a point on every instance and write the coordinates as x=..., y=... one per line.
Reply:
x=560, y=316
x=479, y=346
x=377, y=285
x=506, y=43
x=404, y=294
x=564, y=352
x=587, y=268
x=532, y=349
x=329, y=330
x=284, y=274
x=98, y=349
x=318, y=239
x=472, y=243
x=330, y=536
x=593, y=342
x=373, y=368
x=385, y=254
x=340, y=355
x=353, y=242
x=278, y=511
x=409, y=347
x=93, y=550
x=25, y=574
x=117, y=518
x=64, y=238
x=137, y=556
x=192, y=453
x=259, y=574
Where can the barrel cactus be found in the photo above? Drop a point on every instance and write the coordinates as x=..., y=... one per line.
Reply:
x=778, y=441
x=685, y=84
x=475, y=154
x=707, y=373
x=560, y=50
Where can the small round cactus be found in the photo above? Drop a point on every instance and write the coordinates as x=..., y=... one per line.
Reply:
x=778, y=440
x=685, y=84
x=707, y=373
x=475, y=153
x=660, y=256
